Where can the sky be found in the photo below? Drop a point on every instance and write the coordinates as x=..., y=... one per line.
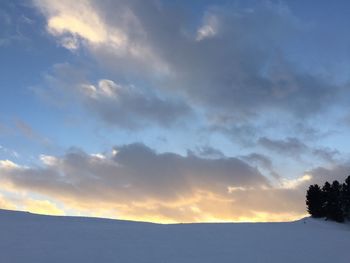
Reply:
x=172, y=111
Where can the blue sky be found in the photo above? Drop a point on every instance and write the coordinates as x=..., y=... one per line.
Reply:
x=214, y=102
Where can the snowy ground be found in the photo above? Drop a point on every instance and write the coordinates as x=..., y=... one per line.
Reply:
x=32, y=238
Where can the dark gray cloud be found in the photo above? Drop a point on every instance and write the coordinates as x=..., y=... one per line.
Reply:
x=295, y=147
x=326, y=154
x=290, y=146
x=170, y=172
x=135, y=180
x=339, y=171
x=136, y=172
x=243, y=133
x=229, y=62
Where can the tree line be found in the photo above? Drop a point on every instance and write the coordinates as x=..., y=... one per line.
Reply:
x=332, y=201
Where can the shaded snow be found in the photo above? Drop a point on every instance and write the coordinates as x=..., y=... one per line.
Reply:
x=33, y=238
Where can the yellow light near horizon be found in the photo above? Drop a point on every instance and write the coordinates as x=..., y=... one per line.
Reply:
x=47, y=208
x=43, y=207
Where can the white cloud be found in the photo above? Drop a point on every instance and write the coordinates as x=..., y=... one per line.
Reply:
x=81, y=23
x=70, y=42
x=48, y=160
x=105, y=88
x=98, y=155
x=209, y=28
x=295, y=183
x=75, y=17
x=7, y=164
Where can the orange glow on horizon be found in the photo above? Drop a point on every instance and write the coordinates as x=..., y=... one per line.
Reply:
x=200, y=207
x=46, y=208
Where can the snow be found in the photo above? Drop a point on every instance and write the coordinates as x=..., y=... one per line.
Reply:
x=31, y=238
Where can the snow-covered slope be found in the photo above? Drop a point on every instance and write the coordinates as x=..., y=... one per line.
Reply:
x=33, y=238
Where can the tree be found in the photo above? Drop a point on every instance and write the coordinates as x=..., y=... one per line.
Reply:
x=346, y=198
x=333, y=202
x=315, y=201
x=326, y=190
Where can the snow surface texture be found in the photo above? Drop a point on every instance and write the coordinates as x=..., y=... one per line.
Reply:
x=30, y=238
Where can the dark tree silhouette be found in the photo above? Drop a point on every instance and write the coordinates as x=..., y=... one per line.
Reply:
x=346, y=198
x=326, y=190
x=332, y=205
x=336, y=212
x=331, y=202
x=315, y=201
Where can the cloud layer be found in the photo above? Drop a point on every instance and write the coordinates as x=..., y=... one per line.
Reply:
x=135, y=182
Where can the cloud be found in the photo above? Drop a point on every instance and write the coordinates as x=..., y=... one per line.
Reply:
x=209, y=27
x=85, y=23
x=41, y=207
x=326, y=154
x=229, y=64
x=338, y=171
x=206, y=151
x=26, y=203
x=296, y=148
x=9, y=152
x=262, y=161
x=27, y=131
x=292, y=146
x=127, y=106
x=7, y=165
x=76, y=18
x=232, y=65
x=6, y=204
x=259, y=158
x=295, y=183
x=137, y=183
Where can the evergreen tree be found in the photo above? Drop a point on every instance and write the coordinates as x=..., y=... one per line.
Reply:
x=326, y=190
x=345, y=198
x=315, y=201
x=334, y=209
x=332, y=201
